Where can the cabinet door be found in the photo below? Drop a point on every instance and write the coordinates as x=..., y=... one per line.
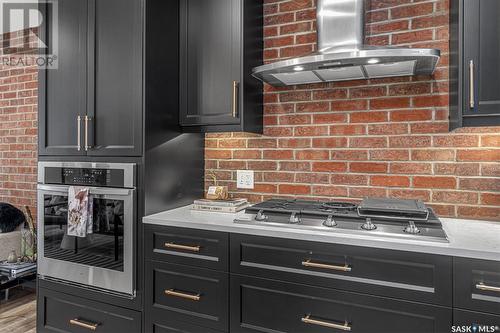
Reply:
x=115, y=97
x=481, y=54
x=62, y=96
x=486, y=321
x=58, y=312
x=210, y=61
x=259, y=305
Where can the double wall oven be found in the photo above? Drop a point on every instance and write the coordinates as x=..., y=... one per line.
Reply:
x=105, y=258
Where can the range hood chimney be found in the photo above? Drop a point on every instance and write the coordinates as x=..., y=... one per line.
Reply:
x=342, y=54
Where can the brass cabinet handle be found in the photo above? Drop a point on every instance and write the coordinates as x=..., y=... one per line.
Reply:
x=192, y=297
x=235, y=98
x=482, y=286
x=307, y=319
x=79, y=132
x=309, y=263
x=90, y=326
x=87, y=119
x=472, y=102
x=183, y=247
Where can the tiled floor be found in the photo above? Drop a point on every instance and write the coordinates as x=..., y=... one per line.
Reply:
x=18, y=314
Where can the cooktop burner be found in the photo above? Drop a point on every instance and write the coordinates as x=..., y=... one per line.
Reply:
x=382, y=217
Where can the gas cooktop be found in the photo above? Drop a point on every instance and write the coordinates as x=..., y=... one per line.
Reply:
x=408, y=219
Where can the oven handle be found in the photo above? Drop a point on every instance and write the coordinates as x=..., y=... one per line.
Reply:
x=92, y=190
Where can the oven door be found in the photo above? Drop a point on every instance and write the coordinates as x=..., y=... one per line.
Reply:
x=104, y=259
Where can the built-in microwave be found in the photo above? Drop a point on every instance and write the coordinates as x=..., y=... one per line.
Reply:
x=105, y=258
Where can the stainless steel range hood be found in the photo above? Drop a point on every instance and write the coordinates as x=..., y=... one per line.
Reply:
x=342, y=55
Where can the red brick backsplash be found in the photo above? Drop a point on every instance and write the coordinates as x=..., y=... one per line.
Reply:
x=18, y=130
x=348, y=140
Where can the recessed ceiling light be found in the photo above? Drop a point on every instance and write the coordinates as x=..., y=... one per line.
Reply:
x=298, y=68
x=373, y=61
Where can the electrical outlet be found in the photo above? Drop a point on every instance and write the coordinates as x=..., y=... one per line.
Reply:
x=244, y=179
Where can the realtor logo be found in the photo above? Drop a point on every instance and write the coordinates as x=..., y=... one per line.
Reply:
x=26, y=26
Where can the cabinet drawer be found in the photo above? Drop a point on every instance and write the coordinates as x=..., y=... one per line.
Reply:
x=272, y=306
x=471, y=318
x=407, y=275
x=193, y=247
x=170, y=326
x=59, y=312
x=188, y=294
x=477, y=285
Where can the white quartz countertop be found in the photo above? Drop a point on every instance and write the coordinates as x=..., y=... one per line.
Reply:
x=467, y=238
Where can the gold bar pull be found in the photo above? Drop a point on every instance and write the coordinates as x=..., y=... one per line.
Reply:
x=235, y=98
x=482, y=286
x=89, y=326
x=309, y=263
x=87, y=146
x=472, y=102
x=79, y=132
x=307, y=319
x=192, y=297
x=183, y=247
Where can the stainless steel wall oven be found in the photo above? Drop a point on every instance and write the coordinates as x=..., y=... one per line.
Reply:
x=104, y=259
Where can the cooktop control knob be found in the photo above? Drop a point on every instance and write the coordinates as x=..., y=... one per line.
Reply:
x=412, y=228
x=369, y=225
x=294, y=218
x=261, y=216
x=330, y=222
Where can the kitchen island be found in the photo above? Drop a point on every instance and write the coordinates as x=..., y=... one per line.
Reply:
x=206, y=273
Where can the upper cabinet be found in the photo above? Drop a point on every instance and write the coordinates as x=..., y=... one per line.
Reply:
x=62, y=92
x=475, y=65
x=220, y=43
x=92, y=103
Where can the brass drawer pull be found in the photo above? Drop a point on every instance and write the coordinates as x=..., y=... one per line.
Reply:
x=86, y=133
x=77, y=322
x=482, y=286
x=472, y=98
x=183, y=247
x=235, y=98
x=307, y=319
x=78, y=132
x=309, y=263
x=172, y=292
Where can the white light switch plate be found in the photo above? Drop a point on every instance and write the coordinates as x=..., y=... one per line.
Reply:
x=245, y=179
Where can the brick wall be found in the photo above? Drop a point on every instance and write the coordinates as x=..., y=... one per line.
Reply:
x=18, y=126
x=347, y=140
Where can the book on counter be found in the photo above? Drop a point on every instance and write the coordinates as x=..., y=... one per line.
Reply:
x=221, y=206
x=15, y=269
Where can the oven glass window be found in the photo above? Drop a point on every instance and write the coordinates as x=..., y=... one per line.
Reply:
x=101, y=248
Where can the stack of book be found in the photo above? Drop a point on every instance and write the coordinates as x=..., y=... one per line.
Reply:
x=13, y=270
x=221, y=206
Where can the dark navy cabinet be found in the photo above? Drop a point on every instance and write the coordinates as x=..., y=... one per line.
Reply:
x=92, y=104
x=220, y=42
x=474, y=66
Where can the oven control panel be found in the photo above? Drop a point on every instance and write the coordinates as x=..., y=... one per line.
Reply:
x=84, y=177
x=93, y=177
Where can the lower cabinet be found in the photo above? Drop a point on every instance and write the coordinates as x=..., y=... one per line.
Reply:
x=60, y=312
x=165, y=325
x=184, y=298
x=487, y=322
x=262, y=305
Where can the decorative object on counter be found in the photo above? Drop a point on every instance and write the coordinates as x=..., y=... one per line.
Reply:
x=221, y=206
x=28, y=238
x=217, y=192
x=12, y=258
